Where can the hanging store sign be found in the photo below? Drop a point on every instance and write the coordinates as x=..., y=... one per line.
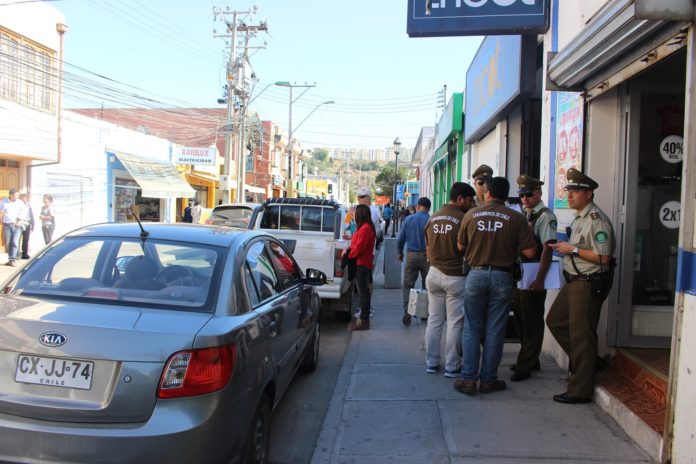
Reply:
x=502, y=72
x=672, y=149
x=442, y=18
x=195, y=156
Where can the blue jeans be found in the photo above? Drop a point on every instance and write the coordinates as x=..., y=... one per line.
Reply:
x=11, y=234
x=488, y=298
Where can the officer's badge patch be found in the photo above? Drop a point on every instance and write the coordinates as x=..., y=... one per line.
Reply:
x=553, y=224
x=601, y=237
x=594, y=215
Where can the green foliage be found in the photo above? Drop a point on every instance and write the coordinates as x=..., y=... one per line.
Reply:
x=320, y=154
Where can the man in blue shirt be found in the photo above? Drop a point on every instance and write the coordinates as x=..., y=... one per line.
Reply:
x=387, y=214
x=412, y=234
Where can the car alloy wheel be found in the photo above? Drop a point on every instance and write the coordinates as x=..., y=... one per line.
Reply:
x=311, y=357
x=260, y=434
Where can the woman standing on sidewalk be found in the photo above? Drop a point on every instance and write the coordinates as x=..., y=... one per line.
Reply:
x=361, y=249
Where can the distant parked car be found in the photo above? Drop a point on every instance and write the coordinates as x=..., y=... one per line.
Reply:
x=234, y=215
x=170, y=344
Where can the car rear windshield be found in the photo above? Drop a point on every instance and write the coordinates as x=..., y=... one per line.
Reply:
x=299, y=217
x=233, y=213
x=157, y=273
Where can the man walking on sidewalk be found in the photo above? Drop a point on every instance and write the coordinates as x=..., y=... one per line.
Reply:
x=412, y=234
x=446, y=281
x=490, y=236
x=12, y=214
x=528, y=303
x=588, y=270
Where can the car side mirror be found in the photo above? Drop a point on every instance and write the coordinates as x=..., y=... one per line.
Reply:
x=315, y=277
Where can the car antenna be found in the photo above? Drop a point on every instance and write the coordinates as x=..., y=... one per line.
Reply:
x=143, y=232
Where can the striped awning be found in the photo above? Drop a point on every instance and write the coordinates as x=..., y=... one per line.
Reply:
x=157, y=179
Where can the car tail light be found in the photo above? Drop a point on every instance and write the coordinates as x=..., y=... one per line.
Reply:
x=197, y=372
x=338, y=257
x=209, y=221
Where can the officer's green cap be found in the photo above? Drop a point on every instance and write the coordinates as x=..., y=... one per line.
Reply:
x=579, y=181
x=528, y=184
x=482, y=172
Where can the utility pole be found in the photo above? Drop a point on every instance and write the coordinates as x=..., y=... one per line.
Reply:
x=237, y=90
x=291, y=161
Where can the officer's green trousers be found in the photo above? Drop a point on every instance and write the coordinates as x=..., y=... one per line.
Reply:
x=573, y=320
x=529, y=322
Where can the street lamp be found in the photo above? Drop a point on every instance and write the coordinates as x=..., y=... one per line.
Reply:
x=290, y=189
x=397, y=150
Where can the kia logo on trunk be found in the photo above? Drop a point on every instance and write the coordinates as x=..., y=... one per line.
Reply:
x=52, y=339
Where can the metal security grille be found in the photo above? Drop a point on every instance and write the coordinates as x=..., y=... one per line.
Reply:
x=71, y=194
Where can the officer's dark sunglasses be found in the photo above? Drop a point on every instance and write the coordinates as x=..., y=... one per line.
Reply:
x=480, y=182
x=528, y=195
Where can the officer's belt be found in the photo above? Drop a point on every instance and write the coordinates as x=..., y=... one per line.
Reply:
x=492, y=268
x=596, y=276
x=416, y=252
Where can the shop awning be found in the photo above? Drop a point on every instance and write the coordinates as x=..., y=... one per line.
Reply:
x=157, y=179
x=253, y=189
x=622, y=32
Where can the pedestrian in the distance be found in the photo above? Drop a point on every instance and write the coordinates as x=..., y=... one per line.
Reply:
x=48, y=218
x=446, y=281
x=412, y=235
x=491, y=237
x=588, y=271
x=27, y=224
x=362, y=248
x=528, y=304
x=387, y=214
x=187, y=214
x=196, y=212
x=12, y=214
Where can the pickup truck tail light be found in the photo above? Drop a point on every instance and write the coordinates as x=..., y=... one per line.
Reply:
x=338, y=256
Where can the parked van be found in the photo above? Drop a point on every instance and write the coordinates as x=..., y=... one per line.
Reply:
x=314, y=230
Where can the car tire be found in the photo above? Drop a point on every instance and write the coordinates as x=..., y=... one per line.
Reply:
x=310, y=360
x=259, y=440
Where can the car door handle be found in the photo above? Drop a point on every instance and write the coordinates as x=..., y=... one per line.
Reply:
x=270, y=324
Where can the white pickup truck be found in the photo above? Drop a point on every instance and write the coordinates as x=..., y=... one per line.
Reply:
x=314, y=231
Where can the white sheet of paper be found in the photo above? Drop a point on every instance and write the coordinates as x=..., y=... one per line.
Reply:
x=553, y=277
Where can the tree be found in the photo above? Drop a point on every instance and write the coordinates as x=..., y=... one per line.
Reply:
x=320, y=154
x=387, y=178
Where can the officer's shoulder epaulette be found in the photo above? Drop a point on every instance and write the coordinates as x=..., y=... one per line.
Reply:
x=594, y=215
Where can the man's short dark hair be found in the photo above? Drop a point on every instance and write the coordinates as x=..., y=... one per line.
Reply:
x=461, y=189
x=499, y=187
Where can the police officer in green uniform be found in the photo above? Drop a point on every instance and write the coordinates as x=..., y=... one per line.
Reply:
x=588, y=271
x=480, y=176
x=529, y=303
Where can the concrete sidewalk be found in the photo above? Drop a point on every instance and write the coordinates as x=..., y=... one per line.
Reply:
x=385, y=408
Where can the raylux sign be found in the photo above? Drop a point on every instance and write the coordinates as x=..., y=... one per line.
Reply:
x=433, y=18
x=190, y=155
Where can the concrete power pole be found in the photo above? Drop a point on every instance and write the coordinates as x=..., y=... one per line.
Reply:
x=237, y=91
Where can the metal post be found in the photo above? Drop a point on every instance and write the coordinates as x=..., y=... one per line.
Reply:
x=291, y=181
x=230, y=106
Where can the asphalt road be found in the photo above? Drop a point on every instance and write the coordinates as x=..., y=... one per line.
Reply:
x=297, y=421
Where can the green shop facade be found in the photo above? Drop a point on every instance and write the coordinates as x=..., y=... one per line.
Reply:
x=446, y=165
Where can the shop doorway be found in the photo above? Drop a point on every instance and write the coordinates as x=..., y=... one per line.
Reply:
x=652, y=165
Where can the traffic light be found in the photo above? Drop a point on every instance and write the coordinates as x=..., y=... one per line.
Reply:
x=330, y=188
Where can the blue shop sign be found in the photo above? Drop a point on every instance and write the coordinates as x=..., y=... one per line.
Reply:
x=441, y=18
x=502, y=72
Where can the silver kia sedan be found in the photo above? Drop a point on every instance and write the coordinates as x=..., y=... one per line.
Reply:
x=170, y=343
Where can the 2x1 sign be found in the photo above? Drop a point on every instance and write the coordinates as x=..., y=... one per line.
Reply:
x=442, y=18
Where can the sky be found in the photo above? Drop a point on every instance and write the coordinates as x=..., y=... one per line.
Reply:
x=384, y=84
